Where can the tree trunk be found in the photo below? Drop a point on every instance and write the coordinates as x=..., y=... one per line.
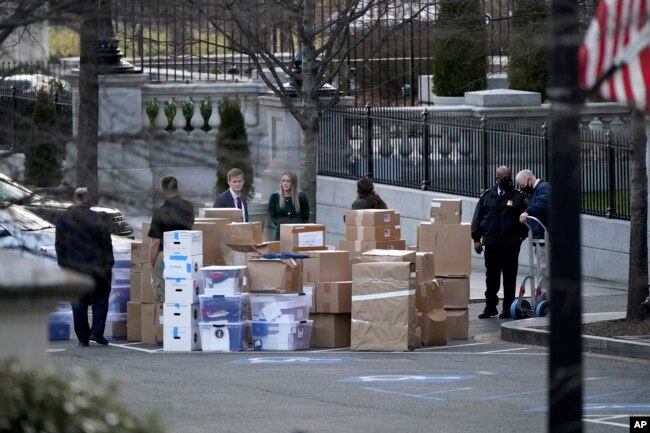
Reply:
x=88, y=102
x=638, y=271
x=309, y=166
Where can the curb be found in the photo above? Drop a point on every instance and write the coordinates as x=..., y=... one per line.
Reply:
x=532, y=331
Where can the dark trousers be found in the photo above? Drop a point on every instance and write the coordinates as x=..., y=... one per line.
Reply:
x=501, y=259
x=98, y=298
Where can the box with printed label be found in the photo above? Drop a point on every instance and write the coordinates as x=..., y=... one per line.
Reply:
x=274, y=276
x=455, y=291
x=182, y=315
x=372, y=217
x=281, y=335
x=222, y=280
x=115, y=328
x=181, y=291
x=333, y=297
x=280, y=308
x=457, y=324
x=446, y=210
x=224, y=337
x=183, y=243
x=373, y=233
x=327, y=265
x=234, y=215
x=182, y=266
x=134, y=321
x=330, y=330
x=451, y=247
x=181, y=339
x=302, y=237
x=220, y=308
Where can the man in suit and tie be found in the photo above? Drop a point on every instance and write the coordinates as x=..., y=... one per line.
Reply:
x=232, y=197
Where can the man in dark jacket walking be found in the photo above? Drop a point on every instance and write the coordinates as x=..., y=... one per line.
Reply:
x=496, y=228
x=539, y=203
x=83, y=244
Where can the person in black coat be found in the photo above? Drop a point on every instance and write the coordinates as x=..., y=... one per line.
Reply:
x=83, y=244
x=496, y=228
x=233, y=197
x=539, y=203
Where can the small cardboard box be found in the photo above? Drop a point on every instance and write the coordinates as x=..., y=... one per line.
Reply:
x=244, y=233
x=359, y=247
x=446, y=210
x=139, y=255
x=135, y=279
x=333, y=297
x=133, y=321
x=428, y=297
x=457, y=324
x=425, y=267
x=233, y=215
x=181, y=339
x=183, y=243
x=327, y=265
x=151, y=326
x=181, y=315
x=455, y=291
x=433, y=328
x=182, y=266
x=302, y=237
x=372, y=233
x=214, y=240
x=274, y=276
x=146, y=291
x=372, y=217
x=450, y=245
x=379, y=255
x=330, y=330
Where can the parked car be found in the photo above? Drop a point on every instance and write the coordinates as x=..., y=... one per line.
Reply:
x=26, y=83
x=14, y=193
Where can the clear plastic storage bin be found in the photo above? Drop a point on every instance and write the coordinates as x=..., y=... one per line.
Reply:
x=224, y=337
x=222, y=280
x=280, y=308
x=222, y=308
x=281, y=335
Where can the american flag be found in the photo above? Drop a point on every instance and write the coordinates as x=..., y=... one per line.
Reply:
x=615, y=57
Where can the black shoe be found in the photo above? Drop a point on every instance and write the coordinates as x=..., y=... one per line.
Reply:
x=83, y=344
x=99, y=340
x=505, y=315
x=487, y=313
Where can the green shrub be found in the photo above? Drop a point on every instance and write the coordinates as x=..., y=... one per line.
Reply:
x=460, y=51
x=47, y=401
x=44, y=149
x=232, y=146
x=529, y=55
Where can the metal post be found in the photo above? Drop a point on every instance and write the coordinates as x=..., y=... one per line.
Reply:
x=611, y=179
x=484, y=145
x=547, y=168
x=426, y=151
x=369, y=150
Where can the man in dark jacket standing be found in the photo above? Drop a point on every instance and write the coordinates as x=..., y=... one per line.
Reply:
x=496, y=227
x=83, y=244
x=539, y=202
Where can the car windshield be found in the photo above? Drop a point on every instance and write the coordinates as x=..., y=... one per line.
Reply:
x=13, y=193
x=22, y=219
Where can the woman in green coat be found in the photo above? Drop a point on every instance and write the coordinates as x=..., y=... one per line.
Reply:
x=288, y=206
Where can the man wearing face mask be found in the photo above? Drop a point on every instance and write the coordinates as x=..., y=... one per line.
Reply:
x=539, y=198
x=496, y=228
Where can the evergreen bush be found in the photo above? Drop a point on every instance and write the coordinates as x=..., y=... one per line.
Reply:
x=232, y=146
x=44, y=149
x=529, y=55
x=460, y=50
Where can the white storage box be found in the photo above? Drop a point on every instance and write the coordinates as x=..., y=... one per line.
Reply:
x=280, y=308
x=181, y=339
x=181, y=291
x=181, y=315
x=224, y=337
x=222, y=280
x=115, y=326
x=221, y=308
x=183, y=243
x=281, y=336
x=181, y=266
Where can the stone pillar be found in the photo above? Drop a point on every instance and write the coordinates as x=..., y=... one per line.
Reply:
x=27, y=297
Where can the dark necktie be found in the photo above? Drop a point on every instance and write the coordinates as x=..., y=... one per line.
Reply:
x=239, y=203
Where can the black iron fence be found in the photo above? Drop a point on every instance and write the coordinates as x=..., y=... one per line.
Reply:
x=453, y=154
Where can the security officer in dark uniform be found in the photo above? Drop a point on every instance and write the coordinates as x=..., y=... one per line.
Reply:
x=496, y=228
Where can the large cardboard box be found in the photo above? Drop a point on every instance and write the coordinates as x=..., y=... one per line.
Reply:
x=457, y=324
x=380, y=255
x=455, y=291
x=358, y=247
x=244, y=233
x=433, y=328
x=327, y=265
x=139, y=255
x=146, y=240
x=133, y=321
x=135, y=278
x=450, y=245
x=302, y=237
x=372, y=217
x=183, y=243
x=215, y=233
x=425, y=267
x=384, y=317
x=146, y=291
x=446, y=210
x=274, y=276
x=333, y=297
x=428, y=297
x=233, y=215
x=330, y=330
x=373, y=233
x=151, y=326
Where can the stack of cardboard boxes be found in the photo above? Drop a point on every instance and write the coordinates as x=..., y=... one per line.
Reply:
x=327, y=275
x=450, y=241
x=432, y=317
x=183, y=257
x=371, y=229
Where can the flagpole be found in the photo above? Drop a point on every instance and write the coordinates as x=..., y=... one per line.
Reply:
x=565, y=360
